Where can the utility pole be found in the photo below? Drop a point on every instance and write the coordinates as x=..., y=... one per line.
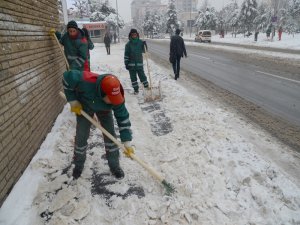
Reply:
x=191, y=19
x=65, y=11
x=118, y=31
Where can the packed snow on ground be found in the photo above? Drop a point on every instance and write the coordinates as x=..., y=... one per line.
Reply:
x=205, y=149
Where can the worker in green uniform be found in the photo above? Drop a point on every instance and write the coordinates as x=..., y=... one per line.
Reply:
x=133, y=59
x=75, y=46
x=102, y=95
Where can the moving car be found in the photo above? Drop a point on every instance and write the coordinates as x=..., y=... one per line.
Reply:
x=203, y=35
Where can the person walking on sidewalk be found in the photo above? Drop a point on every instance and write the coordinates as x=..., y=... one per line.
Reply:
x=75, y=46
x=100, y=95
x=280, y=33
x=115, y=37
x=177, y=50
x=107, y=42
x=133, y=59
x=90, y=47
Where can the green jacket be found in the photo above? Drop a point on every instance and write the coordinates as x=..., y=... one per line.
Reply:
x=133, y=56
x=76, y=50
x=84, y=87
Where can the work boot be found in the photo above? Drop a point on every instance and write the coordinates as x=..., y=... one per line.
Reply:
x=118, y=172
x=77, y=172
x=114, y=165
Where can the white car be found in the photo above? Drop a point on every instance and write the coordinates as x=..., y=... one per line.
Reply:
x=157, y=35
x=203, y=35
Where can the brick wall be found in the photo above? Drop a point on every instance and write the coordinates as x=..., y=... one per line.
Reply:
x=31, y=67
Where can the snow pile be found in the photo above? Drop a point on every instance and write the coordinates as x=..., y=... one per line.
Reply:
x=207, y=152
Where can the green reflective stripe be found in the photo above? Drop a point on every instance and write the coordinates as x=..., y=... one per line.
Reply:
x=124, y=128
x=72, y=57
x=109, y=144
x=113, y=149
x=81, y=148
x=66, y=88
x=65, y=82
x=78, y=63
x=81, y=59
x=80, y=152
x=125, y=121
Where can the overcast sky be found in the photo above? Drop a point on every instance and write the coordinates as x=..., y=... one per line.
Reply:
x=124, y=6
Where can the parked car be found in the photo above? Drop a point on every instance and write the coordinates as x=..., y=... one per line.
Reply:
x=203, y=35
x=158, y=35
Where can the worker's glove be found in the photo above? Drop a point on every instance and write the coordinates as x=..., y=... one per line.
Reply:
x=76, y=107
x=127, y=67
x=52, y=31
x=129, y=150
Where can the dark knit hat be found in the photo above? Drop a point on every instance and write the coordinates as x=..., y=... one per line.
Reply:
x=177, y=31
x=72, y=24
x=132, y=31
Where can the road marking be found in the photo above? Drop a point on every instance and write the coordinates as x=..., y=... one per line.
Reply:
x=200, y=56
x=283, y=78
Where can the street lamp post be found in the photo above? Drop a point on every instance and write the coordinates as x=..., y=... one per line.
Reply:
x=118, y=21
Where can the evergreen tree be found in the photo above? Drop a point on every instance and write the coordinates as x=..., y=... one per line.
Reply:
x=157, y=22
x=263, y=18
x=227, y=14
x=171, y=16
x=82, y=8
x=247, y=14
x=293, y=17
x=152, y=23
x=148, y=24
x=206, y=19
x=104, y=12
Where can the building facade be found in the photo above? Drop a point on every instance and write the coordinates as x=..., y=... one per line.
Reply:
x=186, y=5
x=31, y=68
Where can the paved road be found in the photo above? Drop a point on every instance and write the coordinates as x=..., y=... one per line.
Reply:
x=276, y=91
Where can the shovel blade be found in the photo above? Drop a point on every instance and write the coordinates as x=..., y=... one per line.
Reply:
x=152, y=93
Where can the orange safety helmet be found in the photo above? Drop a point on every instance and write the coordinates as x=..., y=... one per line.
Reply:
x=112, y=87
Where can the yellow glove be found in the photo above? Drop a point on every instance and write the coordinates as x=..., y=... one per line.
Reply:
x=52, y=31
x=76, y=107
x=129, y=149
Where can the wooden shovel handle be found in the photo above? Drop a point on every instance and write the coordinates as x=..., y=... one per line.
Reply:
x=62, y=52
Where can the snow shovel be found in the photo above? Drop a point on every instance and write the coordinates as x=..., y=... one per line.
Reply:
x=62, y=52
x=151, y=93
x=169, y=188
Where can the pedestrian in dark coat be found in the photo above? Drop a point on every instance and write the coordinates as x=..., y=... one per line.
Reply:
x=115, y=37
x=133, y=60
x=177, y=50
x=280, y=33
x=75, y=45
x=269, y=30
x=102, y=95
x=256, y=34
x=107, y=41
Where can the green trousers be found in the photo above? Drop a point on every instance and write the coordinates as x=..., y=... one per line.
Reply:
x=82, y=134
x=140, y=72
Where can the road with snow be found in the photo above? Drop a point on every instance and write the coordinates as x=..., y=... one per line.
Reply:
x=276, y=89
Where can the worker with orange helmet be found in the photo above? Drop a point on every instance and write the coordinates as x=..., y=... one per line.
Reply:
x=100, y=95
